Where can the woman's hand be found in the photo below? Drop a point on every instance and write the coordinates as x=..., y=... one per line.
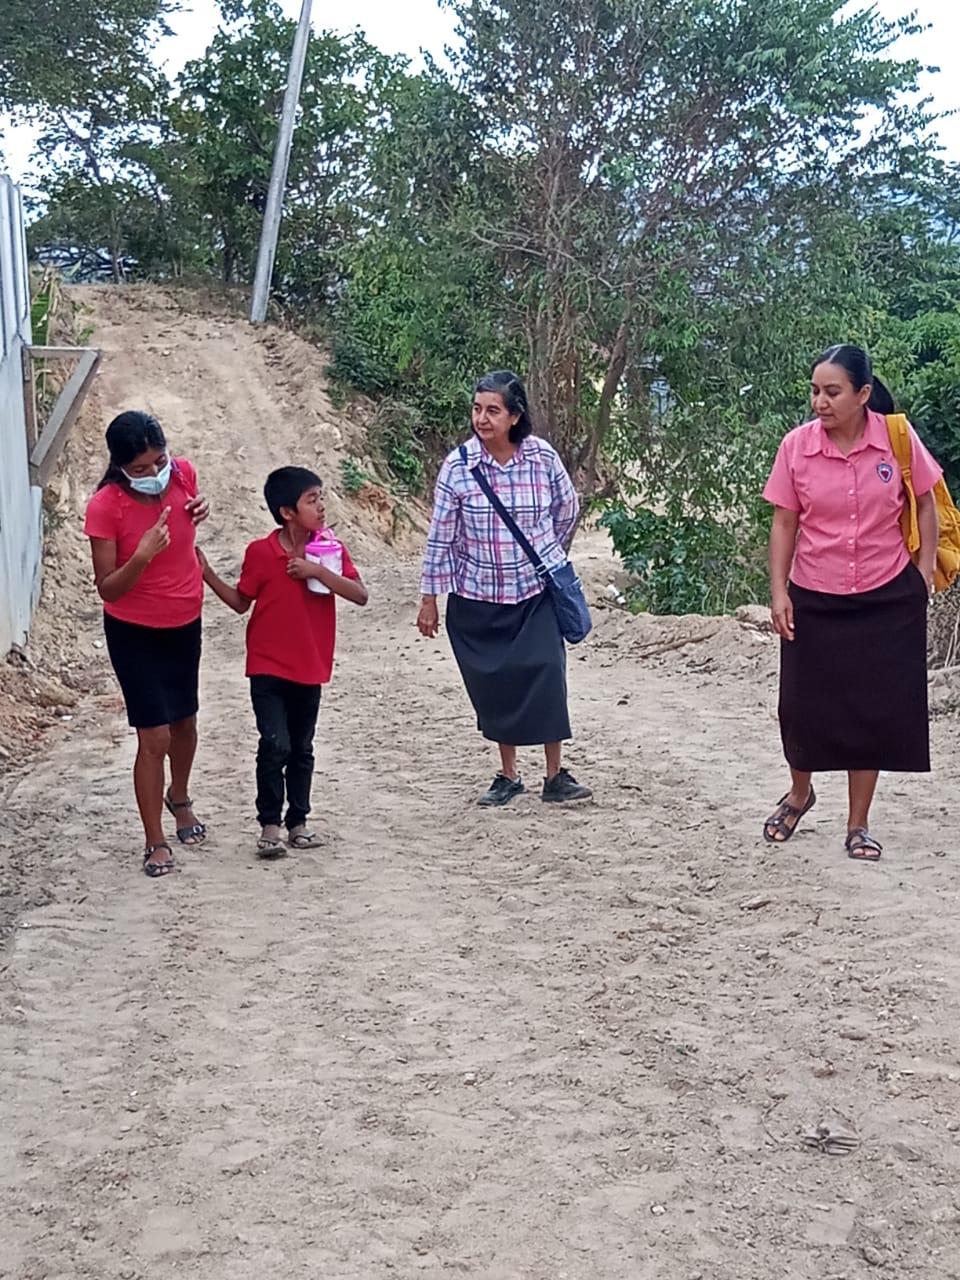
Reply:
x=781, y=615
x=428, y=619
x=198, y=509
x=155, y=540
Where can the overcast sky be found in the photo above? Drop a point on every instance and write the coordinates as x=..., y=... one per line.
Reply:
x=412, y=25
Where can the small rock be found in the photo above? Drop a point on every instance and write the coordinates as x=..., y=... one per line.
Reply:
x=658, y=1210
x=754, y=904
x=906, y=1152
x=469, y=1077
x=872, y=1255
x=754, y=615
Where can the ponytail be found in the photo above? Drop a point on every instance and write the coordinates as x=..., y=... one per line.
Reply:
x=112, y=475
x=881, y=400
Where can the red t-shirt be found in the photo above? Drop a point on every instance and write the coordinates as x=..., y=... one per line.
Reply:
x=169, y=592
x=292, y=631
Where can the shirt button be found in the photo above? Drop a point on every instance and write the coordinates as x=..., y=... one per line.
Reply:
x=853, y=517
x=849, y=542
x=850, y=491
x=851, y=564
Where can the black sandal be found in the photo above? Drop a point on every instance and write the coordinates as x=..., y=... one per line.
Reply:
x=186, y=835
x=154, y=869
x=778, y=820
x=271, y=847
x=861, y=846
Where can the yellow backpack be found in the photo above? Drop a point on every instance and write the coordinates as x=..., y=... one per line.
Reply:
x=948, y=547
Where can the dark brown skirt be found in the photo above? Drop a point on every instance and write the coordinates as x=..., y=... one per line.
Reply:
x=853, y=684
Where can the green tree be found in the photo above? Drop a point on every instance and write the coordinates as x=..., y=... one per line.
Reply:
x=418, y=317
x=64, y=53
x=226, y=116
x=93, y=165
x=642, y=142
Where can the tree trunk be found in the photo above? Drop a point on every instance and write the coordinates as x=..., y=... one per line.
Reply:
x=611, y=385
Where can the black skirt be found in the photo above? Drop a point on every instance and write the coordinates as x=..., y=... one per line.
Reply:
x=514, y=666
x=158, y=670
x=853, y=684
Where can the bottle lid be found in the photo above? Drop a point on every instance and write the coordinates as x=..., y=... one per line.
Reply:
x=324, y=539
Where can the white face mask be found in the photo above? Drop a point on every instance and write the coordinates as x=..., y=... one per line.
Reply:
x=151, y=486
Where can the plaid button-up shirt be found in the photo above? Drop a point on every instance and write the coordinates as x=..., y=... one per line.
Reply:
x=470, y=551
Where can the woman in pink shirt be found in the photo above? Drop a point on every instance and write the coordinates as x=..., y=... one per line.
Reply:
x=848, y=602
x=141, y=524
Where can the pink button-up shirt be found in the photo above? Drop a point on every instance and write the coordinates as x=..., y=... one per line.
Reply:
x=849, y=538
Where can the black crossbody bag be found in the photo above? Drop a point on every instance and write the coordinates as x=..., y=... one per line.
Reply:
x=561, y=584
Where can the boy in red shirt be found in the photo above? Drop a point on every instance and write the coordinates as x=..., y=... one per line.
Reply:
x=290, y=642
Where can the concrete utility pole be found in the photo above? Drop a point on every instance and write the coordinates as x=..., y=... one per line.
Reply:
x=278, y=174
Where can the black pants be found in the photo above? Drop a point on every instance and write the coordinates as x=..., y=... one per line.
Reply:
x=286, y=719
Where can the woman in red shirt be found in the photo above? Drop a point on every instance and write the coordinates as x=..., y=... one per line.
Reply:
x=141, y=523
x=849, y=604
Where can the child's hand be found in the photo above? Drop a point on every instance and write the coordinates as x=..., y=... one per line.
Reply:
x=156, y=539
x=197, y=508
x=299, y=568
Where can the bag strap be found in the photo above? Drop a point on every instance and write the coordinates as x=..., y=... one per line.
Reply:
x=505, y=516
x=899, y=431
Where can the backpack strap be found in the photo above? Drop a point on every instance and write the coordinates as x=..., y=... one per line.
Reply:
x=899, y=431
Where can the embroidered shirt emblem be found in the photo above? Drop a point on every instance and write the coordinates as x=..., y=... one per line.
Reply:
x=885, y=472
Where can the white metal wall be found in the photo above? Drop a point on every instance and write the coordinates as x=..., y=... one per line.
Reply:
x=21, y=517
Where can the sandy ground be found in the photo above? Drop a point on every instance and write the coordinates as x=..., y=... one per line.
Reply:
x=529, y=1043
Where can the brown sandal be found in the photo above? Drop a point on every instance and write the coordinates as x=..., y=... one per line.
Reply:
x=861, y=846
x=778, y=819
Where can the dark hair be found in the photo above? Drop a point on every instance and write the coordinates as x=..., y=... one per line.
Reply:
x=128, y=435
x=286, y=486
x=857, y=364
x=503, y=383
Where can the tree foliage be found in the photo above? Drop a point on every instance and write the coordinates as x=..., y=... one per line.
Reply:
x=64, y=53
x=225, y=119
x=657, y=210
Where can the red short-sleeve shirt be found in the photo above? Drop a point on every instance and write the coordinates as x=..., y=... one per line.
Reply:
x=292, y=630
x=169, y=592
x=849, y=539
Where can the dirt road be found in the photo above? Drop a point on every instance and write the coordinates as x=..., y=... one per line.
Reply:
x=521, y=1044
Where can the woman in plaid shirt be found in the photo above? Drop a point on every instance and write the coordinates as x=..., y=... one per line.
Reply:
x=501, y=623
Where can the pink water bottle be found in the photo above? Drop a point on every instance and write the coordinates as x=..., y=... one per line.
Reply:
x=324, y=548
